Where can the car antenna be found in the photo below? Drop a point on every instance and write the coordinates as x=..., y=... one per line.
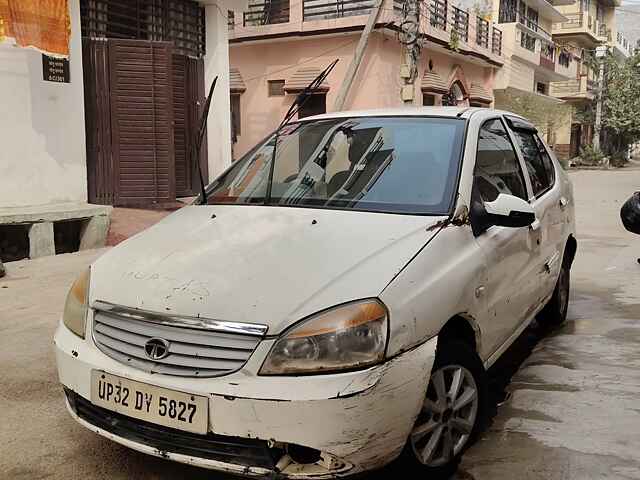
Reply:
x=200, y=137
x=294, y=109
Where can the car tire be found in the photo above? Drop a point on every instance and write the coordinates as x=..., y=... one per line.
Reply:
x=453, y=418
x=554, y=312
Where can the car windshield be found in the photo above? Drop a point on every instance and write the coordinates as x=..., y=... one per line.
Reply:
x=383, y=164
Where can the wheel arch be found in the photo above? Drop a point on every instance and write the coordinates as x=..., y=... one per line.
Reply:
x=461, y=327
x=570, y=250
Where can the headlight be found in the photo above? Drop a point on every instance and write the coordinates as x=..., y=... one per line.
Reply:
x=343, y=338
x=75, y=308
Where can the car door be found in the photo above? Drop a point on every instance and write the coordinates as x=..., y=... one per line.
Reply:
x=547, y=201
x=511, y=253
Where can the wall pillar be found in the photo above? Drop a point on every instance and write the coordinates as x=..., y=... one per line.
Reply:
x=216, y=63
x=41, y=240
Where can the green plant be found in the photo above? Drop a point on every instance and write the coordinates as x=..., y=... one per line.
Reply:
x=454, y=40
x=591, y=156
x=619, y=159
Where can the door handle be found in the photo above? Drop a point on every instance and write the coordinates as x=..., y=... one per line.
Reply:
x=535, y=226
x=563, y=202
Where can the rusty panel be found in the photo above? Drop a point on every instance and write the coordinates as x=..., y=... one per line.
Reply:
x=141, y=122
x=95, y=58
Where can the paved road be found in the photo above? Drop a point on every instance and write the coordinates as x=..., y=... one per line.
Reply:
x=567, y=403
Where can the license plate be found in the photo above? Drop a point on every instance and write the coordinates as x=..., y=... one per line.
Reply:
x=150, y=403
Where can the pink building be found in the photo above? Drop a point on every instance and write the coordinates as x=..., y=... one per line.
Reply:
x=278, y=46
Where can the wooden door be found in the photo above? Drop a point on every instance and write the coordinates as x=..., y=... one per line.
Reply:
x=188, y=99
x=142, y=131
x=95, y=64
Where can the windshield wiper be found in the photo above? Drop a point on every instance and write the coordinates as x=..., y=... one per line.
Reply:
x=294, y=109
x=200, y=137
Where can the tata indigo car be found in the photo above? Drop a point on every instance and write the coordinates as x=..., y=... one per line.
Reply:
x=333, y=303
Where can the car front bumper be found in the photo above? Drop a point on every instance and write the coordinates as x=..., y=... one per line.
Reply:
x=358, y=421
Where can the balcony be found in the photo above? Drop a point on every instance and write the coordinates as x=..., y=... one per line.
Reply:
x=583, y=25
x=441, y=21
x=269, y=12
x=580, y=89
x=524, y=23
x=621, y=46
x=445, y=23
x=548, y=56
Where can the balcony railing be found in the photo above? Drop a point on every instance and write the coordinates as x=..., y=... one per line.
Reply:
x=269, y=12
x=603, y=32
x=327, y=9
x=528, y=41
x=566, y=88
x=482, y=32
x=574, y=20
x=623, y=43
x=513, y=16
x=571, y=88
x=460, y=22
x=496, y=41
x=231, y=20
x=438, y=14
x=548, y=56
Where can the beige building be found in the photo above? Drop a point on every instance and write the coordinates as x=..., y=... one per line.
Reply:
x=533, y=61
x=588, y=25
x=277, y=47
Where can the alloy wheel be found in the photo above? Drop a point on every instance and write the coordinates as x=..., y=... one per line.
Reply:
x=448, y=416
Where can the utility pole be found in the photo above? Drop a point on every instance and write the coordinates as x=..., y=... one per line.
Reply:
x=357, y=57
x=410, y=39
x=600, y=54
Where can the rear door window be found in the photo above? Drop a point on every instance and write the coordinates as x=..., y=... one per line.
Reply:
x=539, y=164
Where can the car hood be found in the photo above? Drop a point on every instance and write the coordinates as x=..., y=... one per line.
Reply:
x=258, y=264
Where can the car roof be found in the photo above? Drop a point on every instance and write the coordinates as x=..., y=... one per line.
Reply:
x=410, y=111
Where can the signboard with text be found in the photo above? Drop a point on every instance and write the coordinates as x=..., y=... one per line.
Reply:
x=55, y=69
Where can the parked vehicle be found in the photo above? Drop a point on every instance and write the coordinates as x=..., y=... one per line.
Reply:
x=336, y=303
x=630, y=213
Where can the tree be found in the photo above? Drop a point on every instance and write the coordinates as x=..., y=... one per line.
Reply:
x=621, y=104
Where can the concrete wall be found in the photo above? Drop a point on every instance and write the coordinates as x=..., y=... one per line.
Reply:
x=377, y=84
x=216, y=63
x=42, y=136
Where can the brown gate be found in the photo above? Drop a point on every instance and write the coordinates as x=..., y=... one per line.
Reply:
x=144, y=86
x=142, y=121
x=188, y=90
x=97, y=104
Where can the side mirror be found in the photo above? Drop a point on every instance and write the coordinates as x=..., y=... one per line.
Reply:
x=509, y=211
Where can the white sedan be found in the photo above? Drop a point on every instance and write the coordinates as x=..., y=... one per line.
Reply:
x=333, y=304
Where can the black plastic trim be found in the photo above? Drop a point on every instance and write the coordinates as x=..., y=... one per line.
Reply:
x=232, y=450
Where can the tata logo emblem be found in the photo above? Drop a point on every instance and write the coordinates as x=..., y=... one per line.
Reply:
x=156, y=348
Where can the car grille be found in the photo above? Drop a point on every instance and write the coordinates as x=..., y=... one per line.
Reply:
x=193, y=352
x=234, y=450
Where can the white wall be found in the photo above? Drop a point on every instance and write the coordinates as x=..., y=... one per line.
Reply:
x=216, y=63
x=42, y=135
